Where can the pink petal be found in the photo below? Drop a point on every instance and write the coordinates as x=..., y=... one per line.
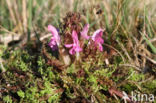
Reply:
x=54, y=32
x=100, y=47
x=97, y=33
x=85, y=31
x=52, y=44
x=76, y=46
x=72, y=51
x=78, y=49
x=52, y=29
x=68, y=45
x=99, y=40
x=75, y=37
x=52, y=41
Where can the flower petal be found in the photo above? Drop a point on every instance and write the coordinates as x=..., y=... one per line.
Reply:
x=55, y=34
x=75, y=37
x=68, y=45
x=85, y=31
x=52, y=41
x=53, y=30
x=99, y=40
x=72, y=51
x=100, y=47
x=97, y=33
x=78, y=49
x=53, y=45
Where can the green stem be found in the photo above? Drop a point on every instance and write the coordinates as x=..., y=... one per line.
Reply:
x=29, y=18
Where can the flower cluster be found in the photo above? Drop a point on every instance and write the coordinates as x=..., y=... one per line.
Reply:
x=75, y=46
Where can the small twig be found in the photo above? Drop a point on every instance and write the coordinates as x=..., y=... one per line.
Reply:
x=148, y=79
x=2, y=67
x=148, y=58
x=116, y=51
x=114, y=92
x=135, y=48
x=11, y=11
x=125, y=51
x=130, y=65
x=45, y=36
x=17, y=15
x=136, y=84
x=115, y=97
x=4, y=29
x=24, y=14
x=153, y=40
x=130, y=75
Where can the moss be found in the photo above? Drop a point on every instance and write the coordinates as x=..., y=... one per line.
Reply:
x=7, y=99
x=128, y=88
x=150, y=87
x=71, y=69
x=31, y=95
x=135, y=76
x=44, y=80
x=21, y=94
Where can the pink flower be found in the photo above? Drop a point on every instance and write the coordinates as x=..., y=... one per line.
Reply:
x=97, y=38
x=75, y=46
x=85, y=31
x=55, y=40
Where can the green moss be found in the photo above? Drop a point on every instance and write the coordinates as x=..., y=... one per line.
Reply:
x=41, y=65
x=30, y=94
x=150, y=86
x=79, y=80
x=71, y=69
x=93, y=82
x=21, y=94
x=135, y=76
x=69, y=93
x=107, y=72
x=128, y=87
x=7, y=99
x=20, y=60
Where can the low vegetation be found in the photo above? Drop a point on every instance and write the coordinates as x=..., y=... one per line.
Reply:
x=122, y=59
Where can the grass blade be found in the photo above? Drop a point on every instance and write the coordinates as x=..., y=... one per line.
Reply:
x=153, y=48
x=29, y=18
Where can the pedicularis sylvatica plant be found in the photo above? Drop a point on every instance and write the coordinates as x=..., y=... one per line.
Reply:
x=75, y=48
